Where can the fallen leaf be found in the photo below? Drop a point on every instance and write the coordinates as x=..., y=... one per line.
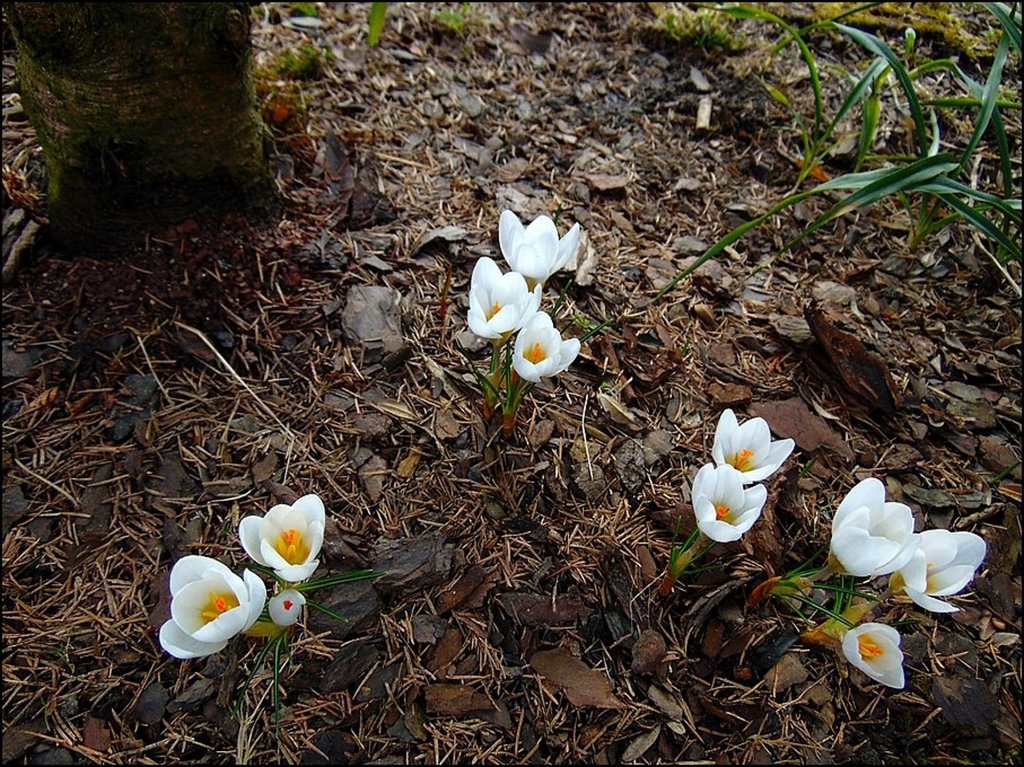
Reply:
x=583, y=685
x=455, y=700
x=469, y=584
x=639, y=745
x=648, y=652
x=408, y=465
x=395, y=408
x=792, y=418
x=444, y=234
x=46, y=399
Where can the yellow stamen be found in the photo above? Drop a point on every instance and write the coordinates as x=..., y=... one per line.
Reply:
x=291, y=546
x=536, y=354
x=722, y=511
x=741, y=461
x=218, y=604
x=869, y=648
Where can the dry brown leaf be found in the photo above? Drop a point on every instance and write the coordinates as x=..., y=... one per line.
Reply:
x=583, y=685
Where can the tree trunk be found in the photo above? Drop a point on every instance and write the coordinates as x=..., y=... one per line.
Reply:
x=146, y=113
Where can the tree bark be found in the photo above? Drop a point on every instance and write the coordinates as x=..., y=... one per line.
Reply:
x=146, y=113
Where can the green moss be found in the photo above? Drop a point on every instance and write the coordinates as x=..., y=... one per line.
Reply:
x=703, y=28
x=936, y=21
x=305, y=9
x=302, y=63
x=454, y=21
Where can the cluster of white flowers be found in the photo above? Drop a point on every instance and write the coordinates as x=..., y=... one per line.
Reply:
x=503, y=304
x=210, y=604
x=873, y=537
x=743, y=454
x=724, y=506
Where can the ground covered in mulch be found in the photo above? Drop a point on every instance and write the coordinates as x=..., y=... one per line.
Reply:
x=153, y=398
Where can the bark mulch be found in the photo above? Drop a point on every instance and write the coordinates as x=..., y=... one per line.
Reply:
x=152, y=398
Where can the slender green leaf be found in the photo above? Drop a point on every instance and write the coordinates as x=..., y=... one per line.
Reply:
x=879, y=48
x=988, y=100
x=983, y=224
x=319, y=607
x=1010, y=19
x=872, y=113
x=377, y=13
x=894, y=181
x=352, y=576
x=858, y=92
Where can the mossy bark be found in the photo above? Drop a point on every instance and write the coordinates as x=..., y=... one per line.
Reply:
x=146, y=113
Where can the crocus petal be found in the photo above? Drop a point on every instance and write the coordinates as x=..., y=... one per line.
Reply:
x=510, y=232
x=296, y=573
x=179, y=644
x=194, y=568
x=567, y=246
x=257, y=594
x=930, y=603
x=271, y=556
x=887, y=667
x=852, y=547
x=249, y=534
x=719, y=531
x=869, y=493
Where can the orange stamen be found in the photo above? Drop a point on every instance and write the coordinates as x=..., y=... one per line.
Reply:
x=218, y=604
x=722, y=511
x=494, y=309
x=869, y=648
x=288, y=604
x=291, y=546
x=741, y=461
x=536, y=354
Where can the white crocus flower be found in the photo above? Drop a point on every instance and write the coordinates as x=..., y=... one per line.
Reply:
x=535, y=251
x=874, y=648
x=285, y=607
x=943, y=563
x=209, y=605
x=499, y=304
x=725, y=510
x=287, y=539
x=871, y=536
x=749, y=447
x=540, y=351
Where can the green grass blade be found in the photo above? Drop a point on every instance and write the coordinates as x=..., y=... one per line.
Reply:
x=892, y=182
x=313, y=604
x=1006, y=18
x=377, y=13
x=879, y=48
x=989, y=97
x=733, y=236
x=857, y=93
x=352, y=576
x=983, y=224
x=872, y=115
